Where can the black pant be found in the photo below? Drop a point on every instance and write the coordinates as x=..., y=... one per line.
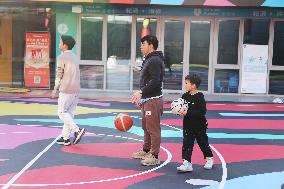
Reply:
x=189, y=137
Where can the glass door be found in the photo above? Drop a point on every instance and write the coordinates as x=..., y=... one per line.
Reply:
x=173, y=45
x=144, y=26
x=91, y=55
x=199, y=50
x=226, y=69
x=118, y=52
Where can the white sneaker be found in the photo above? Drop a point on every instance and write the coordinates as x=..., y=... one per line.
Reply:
x=209, y=163
x=185, y=167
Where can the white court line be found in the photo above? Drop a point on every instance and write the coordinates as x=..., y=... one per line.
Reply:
x=224, y=166
x=14, y=178
x=19, y=132
x=104, y=180
x=10, y=183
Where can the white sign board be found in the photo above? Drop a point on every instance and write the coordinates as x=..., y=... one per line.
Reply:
x=254, y=68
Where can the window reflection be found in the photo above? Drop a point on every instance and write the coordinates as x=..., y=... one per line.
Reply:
x=226, y=81
x=91, y=38
x=173, y=51
x=118, y=52
x=256, y=31
x=199, y=51
x=144, y=26
x=276, y=82
x=228, y=41
x=92, y=77
x=278, y=44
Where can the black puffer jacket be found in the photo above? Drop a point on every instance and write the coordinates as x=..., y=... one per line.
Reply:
x=152, y=73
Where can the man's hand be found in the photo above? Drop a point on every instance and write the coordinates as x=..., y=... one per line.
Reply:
x=136, y=98
x=53, y=93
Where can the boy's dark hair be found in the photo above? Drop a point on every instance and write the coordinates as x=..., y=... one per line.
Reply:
x=68, y=40
x=193, y=79
x=151, y=40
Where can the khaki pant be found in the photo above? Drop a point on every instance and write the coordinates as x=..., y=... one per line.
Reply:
x=151, y=116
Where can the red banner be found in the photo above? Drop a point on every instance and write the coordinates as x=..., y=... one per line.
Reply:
x=37, y=60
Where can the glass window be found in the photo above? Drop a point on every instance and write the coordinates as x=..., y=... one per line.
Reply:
x=118, y=52
x=276, y=82
x=256, y=31
x=226, y=81
x=228, y=41
x=92, y=77
x=91, y=38
x=278, y=44
x=173, y=50
x=199, y=51
x=144, y=27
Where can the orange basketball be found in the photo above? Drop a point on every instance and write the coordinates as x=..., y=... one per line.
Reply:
x=123, y=122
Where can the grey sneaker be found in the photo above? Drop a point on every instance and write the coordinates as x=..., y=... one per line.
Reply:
x=141, y=154
x=150, y=160
x=209, y=163
x=185, y=167
x=78, y=135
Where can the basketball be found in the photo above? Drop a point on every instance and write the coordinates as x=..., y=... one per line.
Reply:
x=123, y=122
x=178, y=106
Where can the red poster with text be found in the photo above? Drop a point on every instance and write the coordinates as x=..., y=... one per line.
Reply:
x=37, y=60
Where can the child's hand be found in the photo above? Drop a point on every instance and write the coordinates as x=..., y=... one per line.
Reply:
x=183, y=113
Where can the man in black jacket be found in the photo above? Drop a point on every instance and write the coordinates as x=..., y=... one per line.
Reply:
x=150, y=99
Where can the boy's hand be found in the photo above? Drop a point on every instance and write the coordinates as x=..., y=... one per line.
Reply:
x=53, y=93
x=183, y=113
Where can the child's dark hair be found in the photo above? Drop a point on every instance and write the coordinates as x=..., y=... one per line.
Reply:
x=193, y=79
x=68, y=40
x=151, y=40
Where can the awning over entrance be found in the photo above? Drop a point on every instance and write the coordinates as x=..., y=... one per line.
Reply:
x=254, y=3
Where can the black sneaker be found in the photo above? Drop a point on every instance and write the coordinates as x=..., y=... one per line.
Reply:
x=78, y=135
x=61, y=141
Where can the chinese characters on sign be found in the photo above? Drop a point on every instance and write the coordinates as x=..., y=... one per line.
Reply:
x=37, y=60
x=184, y=11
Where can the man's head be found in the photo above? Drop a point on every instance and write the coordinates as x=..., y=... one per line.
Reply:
x=66, y=43
x=149, y=43
x=192, y=82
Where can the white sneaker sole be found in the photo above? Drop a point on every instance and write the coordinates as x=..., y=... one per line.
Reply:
x=184, y=170
x=208, y=168
x=79, y=136
x=63, y=143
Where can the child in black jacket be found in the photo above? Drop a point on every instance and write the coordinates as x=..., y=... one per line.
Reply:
x=194, y=125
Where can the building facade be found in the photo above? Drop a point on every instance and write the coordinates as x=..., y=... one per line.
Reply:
x=237, y=47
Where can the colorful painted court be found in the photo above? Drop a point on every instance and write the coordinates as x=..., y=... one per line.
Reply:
x=247, y=140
